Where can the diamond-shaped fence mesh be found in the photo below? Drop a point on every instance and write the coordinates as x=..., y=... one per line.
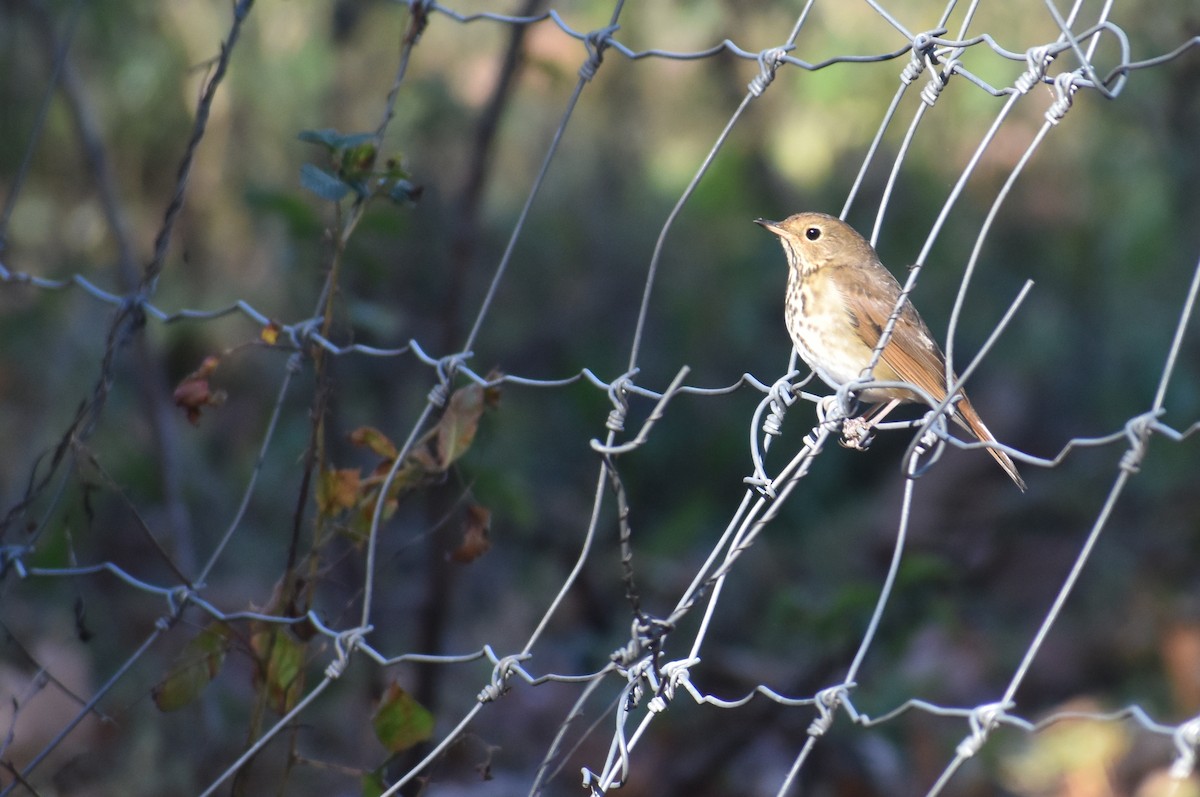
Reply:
x=395, y=399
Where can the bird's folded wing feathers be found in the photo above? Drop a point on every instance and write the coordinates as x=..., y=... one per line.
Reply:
x=911, y=351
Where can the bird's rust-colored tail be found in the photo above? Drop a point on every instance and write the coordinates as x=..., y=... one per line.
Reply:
x=968, y=417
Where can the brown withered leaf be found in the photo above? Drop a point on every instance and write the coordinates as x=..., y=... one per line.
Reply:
x=458, y=424
x=194, y=390
x=491, y=395
x=374, y=440
x=337, y=490
x=475, y=542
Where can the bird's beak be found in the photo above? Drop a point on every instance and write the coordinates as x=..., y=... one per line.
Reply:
x=770, y=226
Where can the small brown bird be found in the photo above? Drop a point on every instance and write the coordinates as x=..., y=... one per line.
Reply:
x=839, y=299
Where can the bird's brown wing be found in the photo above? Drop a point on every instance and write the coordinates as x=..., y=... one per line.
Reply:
x=913, y=354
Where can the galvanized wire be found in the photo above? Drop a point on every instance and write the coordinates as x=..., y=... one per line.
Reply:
x=642, y=678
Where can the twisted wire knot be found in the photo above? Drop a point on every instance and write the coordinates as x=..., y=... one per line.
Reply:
x=628, y=656
x=1137, y=431
x=179, y=597
x=1065, y=86
x=937, y=82
x=768, y=63
x=912, y=70
x=827, y=702
x=596, y=42
x=1039, y=59
x=922, y=44
x=344, y=645
x=781, y=398
x=447, y=367
x=503, y=670
x=302, y=332
x=439, y=394
x=618, y=394
x=675, y=674
x=982, y=720
x=922, y=55
x=1187, y=739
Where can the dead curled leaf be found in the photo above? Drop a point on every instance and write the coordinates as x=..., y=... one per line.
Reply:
x=338, y=489
x=376, y=441
x=194, y=391
x=475, y=542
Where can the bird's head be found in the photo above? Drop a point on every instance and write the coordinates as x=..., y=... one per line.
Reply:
x=815, y=240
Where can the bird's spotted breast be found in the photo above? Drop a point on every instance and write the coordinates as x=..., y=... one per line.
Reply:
x=816, y=319
x=826, y=335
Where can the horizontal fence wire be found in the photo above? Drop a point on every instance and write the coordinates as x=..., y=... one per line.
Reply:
x=621, y=699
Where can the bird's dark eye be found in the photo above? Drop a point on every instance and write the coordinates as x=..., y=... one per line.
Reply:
x=812, y=233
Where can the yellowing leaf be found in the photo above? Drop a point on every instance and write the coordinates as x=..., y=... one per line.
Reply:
x=281, y=665
x=270, y=333
x=337, y=490
x=400, y=721
x=375, y=440
x=195, y=667
x=457, y=427
x=491, y=395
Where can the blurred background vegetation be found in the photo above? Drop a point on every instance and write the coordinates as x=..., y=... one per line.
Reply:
x=1104, y=221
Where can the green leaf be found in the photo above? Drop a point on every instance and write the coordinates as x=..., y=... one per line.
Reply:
x=281, y=662
x=401, y=722
x=334, y=141
x=322, y=183
x=194, y=669
x=327, y=137
x=373, y=783
x=356, y=140
x=359, y=157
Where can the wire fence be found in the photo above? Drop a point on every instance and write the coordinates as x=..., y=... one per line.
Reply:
x=193, y=620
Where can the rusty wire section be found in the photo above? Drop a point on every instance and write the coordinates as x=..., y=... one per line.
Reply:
x=641, y=679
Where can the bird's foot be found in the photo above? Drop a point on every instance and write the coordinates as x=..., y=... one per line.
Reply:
x=857, y=433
